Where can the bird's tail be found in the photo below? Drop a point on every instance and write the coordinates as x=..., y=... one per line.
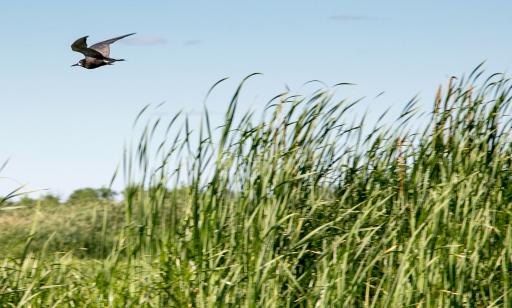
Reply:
x=111, y=61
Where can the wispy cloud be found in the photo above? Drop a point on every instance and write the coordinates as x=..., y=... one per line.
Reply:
x=141, y=40
x=191, y=43
x=349, y=17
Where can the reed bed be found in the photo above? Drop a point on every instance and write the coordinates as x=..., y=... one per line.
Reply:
x=301, y=206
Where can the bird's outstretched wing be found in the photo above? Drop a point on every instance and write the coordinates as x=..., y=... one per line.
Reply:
x=80, y=46
x=104, y=47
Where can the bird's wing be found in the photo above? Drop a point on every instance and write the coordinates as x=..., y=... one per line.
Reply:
x=80, y=46
x=104, y=47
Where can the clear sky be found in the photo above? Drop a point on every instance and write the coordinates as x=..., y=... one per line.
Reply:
x=63, y=128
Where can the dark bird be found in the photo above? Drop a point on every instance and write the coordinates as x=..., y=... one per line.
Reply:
x=98, y=54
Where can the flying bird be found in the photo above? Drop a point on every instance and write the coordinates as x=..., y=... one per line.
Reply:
x=98, y=54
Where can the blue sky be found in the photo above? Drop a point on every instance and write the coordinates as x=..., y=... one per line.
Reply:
x=63, y=128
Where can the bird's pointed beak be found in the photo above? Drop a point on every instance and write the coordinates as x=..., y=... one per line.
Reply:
x=76, y=64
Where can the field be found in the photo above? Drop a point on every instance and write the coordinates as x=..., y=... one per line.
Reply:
x=301, y=206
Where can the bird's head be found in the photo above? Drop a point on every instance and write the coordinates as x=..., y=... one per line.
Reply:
x=80, y=63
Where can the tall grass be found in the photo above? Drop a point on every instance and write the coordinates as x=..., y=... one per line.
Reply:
x=299, y=207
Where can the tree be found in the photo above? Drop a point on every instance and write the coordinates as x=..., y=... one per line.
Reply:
x=50, y=199
x=26, y=201
x=91, y=195
x=106, y=193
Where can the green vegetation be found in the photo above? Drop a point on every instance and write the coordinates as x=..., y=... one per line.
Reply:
x=76, y=225
x=298, y=207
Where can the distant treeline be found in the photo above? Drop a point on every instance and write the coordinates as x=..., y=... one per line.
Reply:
x=78, y=196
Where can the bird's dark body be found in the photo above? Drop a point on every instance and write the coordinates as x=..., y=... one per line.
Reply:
x=98, y=54
x=92, y=63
